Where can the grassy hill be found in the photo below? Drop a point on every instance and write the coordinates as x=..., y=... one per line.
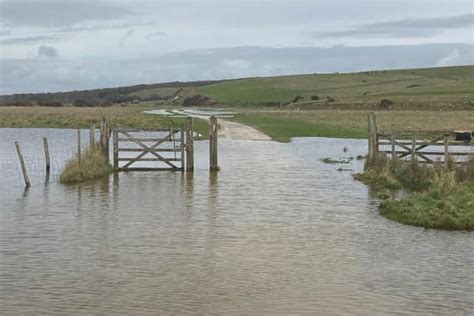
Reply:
x=446, y=87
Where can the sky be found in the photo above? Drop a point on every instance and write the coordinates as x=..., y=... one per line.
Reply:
x=60, y=45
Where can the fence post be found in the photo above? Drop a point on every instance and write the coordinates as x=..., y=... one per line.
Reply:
x=79, y=146
x=413, y=148
x=102, y=136
x=46, y=155
x=107, y=142
x=182, y=149
x=22, y=164
x=394, y=154
x=92, y=136
x=116, y=149
x=213, y=164
x=446, y=151
x=189, y=145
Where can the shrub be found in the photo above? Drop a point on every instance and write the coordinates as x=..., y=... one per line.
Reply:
x=314, y=97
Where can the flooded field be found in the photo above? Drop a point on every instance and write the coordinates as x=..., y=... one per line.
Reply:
x=276, y=231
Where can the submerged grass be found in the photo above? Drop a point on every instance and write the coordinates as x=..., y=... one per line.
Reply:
x=441, y=198
x=93, y=165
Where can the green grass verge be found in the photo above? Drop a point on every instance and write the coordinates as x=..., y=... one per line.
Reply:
x=93, y=165
x=440, y=198
x=282, y=128
x=433, y=209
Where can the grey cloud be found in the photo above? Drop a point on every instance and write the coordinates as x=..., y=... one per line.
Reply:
x=126, y=36
x=5, y=33
x=156, y=35
x=58, y=13
x=101, y=27
x=405, y=27
x=47, y=52
x=30, y=39
x=33, y=75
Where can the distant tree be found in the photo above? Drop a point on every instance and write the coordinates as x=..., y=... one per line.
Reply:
x=83, y=103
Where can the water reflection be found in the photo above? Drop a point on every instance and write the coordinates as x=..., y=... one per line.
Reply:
x=263, y=236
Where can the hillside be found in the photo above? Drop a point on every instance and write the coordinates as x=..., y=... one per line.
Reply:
x=443, y=88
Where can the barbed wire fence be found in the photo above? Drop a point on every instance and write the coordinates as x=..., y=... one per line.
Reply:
x=62, y=147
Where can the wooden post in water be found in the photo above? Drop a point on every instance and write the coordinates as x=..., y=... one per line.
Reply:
x=213, y=164
x=79, y=146
x=22, y=164
x=46, y=156
x=446, y=151
x=189, y=145
x=413, y=148
x=116, y=148
x=92, y=136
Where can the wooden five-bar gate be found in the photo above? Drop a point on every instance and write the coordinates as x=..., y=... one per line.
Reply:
x=157, y=150
x=161, y=149
x=425, y=147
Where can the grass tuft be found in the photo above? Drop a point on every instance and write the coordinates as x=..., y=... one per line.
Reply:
x=93, y=165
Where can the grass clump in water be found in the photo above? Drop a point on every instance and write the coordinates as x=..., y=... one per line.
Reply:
x=93, y=165
x=434, y=208
x=441, y=198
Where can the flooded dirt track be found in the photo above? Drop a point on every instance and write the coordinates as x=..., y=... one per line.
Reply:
x=276, y=231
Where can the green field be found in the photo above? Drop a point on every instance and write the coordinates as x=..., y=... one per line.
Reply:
x=73, y=117
x=281, y=125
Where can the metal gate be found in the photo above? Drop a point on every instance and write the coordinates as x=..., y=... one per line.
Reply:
x=157, y=150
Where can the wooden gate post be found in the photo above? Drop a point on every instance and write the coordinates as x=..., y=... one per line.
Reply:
x=373, y=143
x=116, y=149
x=446, y=151
x=79, y=147
x=394, y=154
x=413, y=148
x=92, y=136
x=182, y=148
x=22, y=164
x=189, y=145
x=213, y=164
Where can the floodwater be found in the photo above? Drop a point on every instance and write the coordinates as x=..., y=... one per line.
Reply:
x=276, y=231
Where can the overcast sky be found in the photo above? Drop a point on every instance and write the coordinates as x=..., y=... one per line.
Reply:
x=51, y=45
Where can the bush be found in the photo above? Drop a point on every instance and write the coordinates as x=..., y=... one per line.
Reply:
x=297, y=99
x=314, y=97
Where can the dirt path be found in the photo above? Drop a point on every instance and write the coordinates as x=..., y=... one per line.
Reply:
x=237, y=131
x=232, y=130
